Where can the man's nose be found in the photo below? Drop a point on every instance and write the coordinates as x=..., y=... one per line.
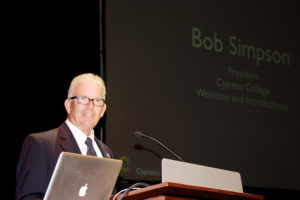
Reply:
x=91, y=103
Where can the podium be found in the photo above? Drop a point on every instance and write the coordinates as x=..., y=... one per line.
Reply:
x=175, y=191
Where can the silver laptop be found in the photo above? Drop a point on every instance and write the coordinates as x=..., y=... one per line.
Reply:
x=199, y=175
x=83, y=177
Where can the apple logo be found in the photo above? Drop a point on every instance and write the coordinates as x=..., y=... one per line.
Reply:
x=82, y=191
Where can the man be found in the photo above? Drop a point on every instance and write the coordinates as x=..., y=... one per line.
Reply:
x=85, y=106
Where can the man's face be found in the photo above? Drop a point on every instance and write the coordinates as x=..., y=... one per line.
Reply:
x=85, y=117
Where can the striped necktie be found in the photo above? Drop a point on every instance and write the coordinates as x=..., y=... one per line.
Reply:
x=90, y=149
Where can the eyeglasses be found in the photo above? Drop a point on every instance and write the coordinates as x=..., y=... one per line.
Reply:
x=86, y=100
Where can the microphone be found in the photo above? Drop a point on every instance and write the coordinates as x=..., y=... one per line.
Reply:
x=140, y=135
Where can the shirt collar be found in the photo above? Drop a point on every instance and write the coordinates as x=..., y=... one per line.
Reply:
x=78, y=134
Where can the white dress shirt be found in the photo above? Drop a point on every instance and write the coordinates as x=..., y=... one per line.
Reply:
x=81, y=137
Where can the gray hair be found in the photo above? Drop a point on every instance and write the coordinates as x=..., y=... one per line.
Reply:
x=86, y=77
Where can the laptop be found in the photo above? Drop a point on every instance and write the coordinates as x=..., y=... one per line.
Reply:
x=81, y=177
x=198, y=175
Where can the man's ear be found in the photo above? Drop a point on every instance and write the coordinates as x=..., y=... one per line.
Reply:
x=103, y=110
x=67, y=105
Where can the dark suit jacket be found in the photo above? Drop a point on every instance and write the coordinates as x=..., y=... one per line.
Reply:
x=38, y=158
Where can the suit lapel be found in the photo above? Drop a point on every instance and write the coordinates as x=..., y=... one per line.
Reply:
x=66, y=139
x=105, y=154
x=67, y=142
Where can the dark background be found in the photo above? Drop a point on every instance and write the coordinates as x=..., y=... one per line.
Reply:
x=51, y=42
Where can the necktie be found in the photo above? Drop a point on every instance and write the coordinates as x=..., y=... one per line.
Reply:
x=90, y=148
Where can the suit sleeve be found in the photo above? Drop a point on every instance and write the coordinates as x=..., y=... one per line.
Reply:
x=31, y=170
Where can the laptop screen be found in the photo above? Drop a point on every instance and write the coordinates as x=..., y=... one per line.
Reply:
x=199, y=175
x=83, y=177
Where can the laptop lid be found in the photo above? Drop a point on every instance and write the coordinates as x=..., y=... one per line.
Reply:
x=199, y=175
x=83, y=177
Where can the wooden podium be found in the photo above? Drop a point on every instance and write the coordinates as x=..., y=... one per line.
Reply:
x=174, y=191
